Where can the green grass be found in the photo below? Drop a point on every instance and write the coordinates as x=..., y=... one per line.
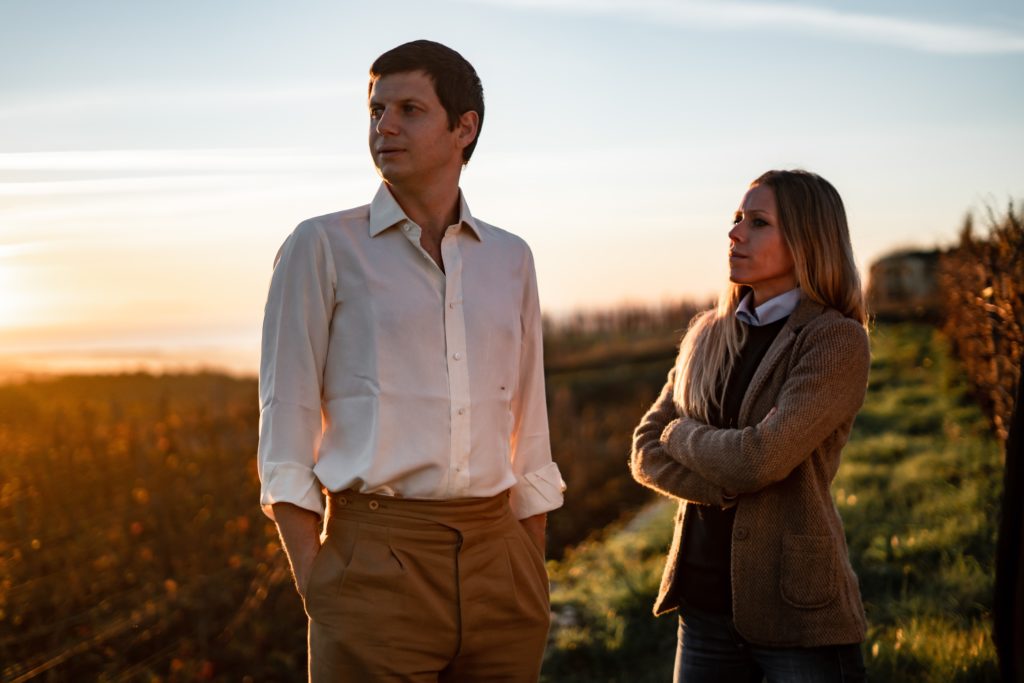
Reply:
x=919, y=491
x=602, y=592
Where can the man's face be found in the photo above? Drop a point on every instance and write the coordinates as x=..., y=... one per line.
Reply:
x=409, y=137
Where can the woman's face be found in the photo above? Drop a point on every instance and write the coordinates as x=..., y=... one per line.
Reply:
x=758, y=255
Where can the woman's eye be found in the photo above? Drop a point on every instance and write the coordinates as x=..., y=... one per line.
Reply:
x=760, y=222
x=736, y=219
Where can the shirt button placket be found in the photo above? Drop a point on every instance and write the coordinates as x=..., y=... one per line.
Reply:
x=458, y=371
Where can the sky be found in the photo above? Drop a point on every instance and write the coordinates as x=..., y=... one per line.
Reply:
x=153, y=156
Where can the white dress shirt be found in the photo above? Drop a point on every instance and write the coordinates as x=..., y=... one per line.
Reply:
x=776, y=308
x=382, y=373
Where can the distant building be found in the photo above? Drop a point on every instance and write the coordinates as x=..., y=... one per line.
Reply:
x=904, y=286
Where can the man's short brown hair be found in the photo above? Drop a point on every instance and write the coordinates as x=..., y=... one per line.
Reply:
x=455, y=80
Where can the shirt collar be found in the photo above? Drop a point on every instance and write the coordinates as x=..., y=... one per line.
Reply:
x=385, y=213
x=776, y=308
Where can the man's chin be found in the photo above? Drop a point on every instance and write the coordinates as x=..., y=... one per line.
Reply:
x=390, y=173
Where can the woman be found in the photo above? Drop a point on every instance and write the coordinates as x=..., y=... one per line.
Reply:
x=747, y=434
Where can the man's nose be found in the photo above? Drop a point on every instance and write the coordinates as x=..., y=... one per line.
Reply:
x=386, y=122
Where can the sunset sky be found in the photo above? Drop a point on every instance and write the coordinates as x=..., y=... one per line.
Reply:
x=153, y=156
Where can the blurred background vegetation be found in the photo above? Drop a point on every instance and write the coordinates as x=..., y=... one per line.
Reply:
x=132, y=546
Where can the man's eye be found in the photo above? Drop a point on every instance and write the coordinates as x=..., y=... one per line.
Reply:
x=409, y=109
x=375, y=112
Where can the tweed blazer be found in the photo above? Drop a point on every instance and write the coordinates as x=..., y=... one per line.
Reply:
x=792, y=583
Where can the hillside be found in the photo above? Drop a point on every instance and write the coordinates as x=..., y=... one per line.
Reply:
x=131, y=545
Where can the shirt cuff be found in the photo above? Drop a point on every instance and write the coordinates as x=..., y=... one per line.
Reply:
x=288, y=482
x=537, y=492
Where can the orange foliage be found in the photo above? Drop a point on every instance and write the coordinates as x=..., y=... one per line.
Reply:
x=983, y=283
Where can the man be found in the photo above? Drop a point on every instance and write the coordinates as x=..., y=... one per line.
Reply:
x=402, y=373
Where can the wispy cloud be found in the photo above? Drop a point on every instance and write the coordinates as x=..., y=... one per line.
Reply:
x=171, y=98
x=62, y=215
x=250, y=159
x=106, y=186
x=81, y=186
x=14, y=249
x=914, y=34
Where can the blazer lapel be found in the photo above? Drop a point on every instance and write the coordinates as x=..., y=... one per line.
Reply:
x=805, y=311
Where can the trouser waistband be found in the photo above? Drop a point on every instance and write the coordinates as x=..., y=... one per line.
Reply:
x=462, y=514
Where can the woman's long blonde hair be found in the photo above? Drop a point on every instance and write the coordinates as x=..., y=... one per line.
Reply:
x=813, y=224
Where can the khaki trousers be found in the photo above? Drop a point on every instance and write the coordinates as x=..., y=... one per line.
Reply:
x=440, y=591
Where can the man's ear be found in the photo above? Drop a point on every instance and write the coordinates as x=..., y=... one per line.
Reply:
x=467, y=128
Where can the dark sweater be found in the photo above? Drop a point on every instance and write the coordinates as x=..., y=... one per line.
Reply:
x=707, y=539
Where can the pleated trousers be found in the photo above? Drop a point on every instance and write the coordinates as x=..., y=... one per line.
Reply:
x=418, y=591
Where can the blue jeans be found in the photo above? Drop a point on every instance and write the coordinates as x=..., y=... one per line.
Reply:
x=712, y=651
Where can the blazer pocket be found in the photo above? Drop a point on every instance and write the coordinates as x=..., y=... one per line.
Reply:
x=808, y=574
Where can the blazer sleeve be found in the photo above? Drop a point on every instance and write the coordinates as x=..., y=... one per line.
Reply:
x=823, y=391
x=654, y=468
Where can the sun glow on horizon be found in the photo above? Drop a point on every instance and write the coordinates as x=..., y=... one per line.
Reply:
x=15, y=299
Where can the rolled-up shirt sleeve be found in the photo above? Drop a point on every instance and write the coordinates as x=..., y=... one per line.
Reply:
x=296, y=327
x=539, y=486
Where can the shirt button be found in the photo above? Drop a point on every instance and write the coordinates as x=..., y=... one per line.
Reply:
x=457, y=355
x=407, y=227
x=451, y=305
x=462, y=411
x=374, y=505
x=740, y=533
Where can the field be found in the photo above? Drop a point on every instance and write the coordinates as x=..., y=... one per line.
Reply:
x=132, y=548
